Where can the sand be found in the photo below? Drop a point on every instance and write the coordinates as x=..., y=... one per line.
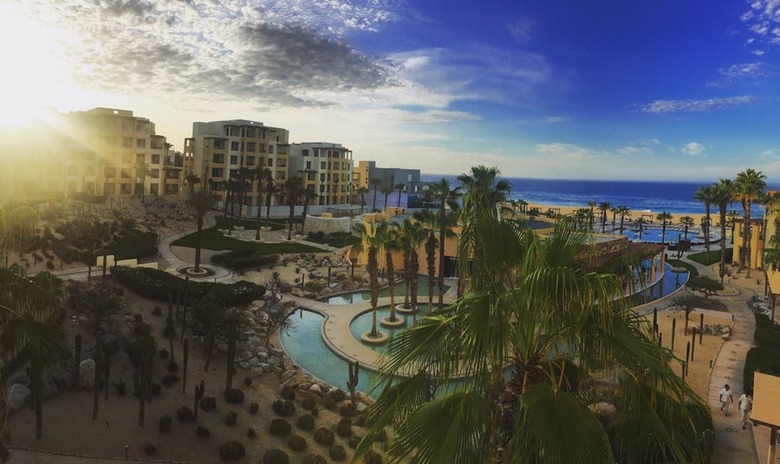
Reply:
x=635, y=214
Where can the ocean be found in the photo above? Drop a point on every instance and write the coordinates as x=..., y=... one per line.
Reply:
x=657, y=196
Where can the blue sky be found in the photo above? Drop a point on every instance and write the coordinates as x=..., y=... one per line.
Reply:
x=556, y=89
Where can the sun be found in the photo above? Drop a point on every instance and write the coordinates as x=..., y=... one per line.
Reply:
x=32, y=75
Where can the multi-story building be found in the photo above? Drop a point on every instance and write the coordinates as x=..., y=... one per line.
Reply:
x=220, y=151
x=102, y=151
x=367, y=175
x=326, y=170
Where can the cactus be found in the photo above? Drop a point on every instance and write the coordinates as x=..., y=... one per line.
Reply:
x=107, y=372
x=77, y=361
x=185, y=360
x=147, y=359
x=199, y=391
x=231, y=349
x=354, y=371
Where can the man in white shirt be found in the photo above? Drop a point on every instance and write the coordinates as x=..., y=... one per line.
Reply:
x=726, y=398
x=745, y=405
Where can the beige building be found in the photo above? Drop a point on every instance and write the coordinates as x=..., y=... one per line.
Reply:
x=219, y=151
x=102, y=151
x=326, y=169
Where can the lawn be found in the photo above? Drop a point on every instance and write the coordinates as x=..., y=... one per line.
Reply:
x=682, y=264
x=251, y=223
x=214, y=240
x=712, y=258
x=333, y=240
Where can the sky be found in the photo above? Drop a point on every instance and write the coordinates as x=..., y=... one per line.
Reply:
x=569, y=89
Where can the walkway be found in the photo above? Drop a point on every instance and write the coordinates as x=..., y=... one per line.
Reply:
x=732, y=444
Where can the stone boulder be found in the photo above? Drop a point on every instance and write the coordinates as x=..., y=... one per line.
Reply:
x=605, y=412
x=17, y=397
x=19, y=377
x=87, y=373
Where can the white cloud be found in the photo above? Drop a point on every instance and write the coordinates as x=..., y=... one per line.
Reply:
x=744, y=70
x=763, y=19
x=556, y=119
x=670, y=106
x=693, y=149
x=521, y=29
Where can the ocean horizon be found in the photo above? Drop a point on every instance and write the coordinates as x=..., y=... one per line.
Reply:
x=645, y=196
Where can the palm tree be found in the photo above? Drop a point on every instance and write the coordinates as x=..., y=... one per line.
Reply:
x=141, y=173
x=428, y=220
x=202, y=202
x=375, y=183
x=623, y=211
x=640, y=223
x=722, y=193
x=446, y=196
x=686, y=222
x=30, y=311
x=292, y=190
x=388, y=238
x=400, y=187
x=772, y=254
x=665, y=219
x=245, y=178
x=386, y=192
x=556, y=326
x=371, y=241
x=261, y=175
x=614, y=211
x=591, y=217
x=705, y=195
x=192, y=180
x=308, y=195
x=362, y=192
x=604, y=206
x=749, y=185
x=411, y=235
x=270, y=189
x=732, y=216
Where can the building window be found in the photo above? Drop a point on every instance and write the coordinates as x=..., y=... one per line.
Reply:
x=125, y=173
x=323, y=164
x=140, y=143
x=218, y=158
x=308, y=165
x=127, y=158
x=322, y=177
x=217, y=172
x=262, y=148
x=153, y=188
x=124, y=189
x=219, y=144
x=322, y=189
x=304, y=152
x=127, y=125
x=155, y=159
x=250, y=160
x=280, y=175
x=271, y=149
x=109, y=189
x=110, y=172
x=233, y=159
x=140, y=158
x=251, y=147
x=171, y=189
x=270, y=162
x=234, y=146
x=127, y=142
x=154, y=173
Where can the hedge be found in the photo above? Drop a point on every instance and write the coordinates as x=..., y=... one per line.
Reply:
x=156, y=285
x=238, y=260
x=763, y=357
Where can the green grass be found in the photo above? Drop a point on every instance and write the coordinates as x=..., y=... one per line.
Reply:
x=335, y=241
x=212, y=239
x=713, y=257
x=251, y=223
x=682, y=264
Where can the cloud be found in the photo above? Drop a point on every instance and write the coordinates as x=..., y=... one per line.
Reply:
x=556, y=119
x=670, y=106
x=565, y=151
x=521, y=29
x=693, y=149
x=763, y=20
x=744, y=70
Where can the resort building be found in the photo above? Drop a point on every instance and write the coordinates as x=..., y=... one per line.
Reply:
x=102, y=151
x=368, y=176
x=326, y=170
x=755, y=260
x=223, y=151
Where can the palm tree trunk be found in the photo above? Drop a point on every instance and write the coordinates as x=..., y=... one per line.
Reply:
x=391, y=282
x=748, y=236
x=198, y=244
x=259, y=213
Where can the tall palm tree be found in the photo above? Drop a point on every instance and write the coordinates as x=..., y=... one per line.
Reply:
x=749, y=185
x=375, y=183
x=556, y=326
x=591, y=217
x=308, y=194
x=361, y=191
x=371, y=242
x=732, y=216
x=141, y=173
x=411, y=236
x=445, y=196
x=640, y=224
x=386, y=193
x=245, y=178
x=261, y=176
x=292, y=190
x=723, y=194
x=192, y=180
x=30, y=310
x=604, y=206
x=705, y=195
x=772, y=254
x=388, y=238
x=270, y=189
x=665, y=219
x=614, y=211
x=623, y=211
x=428, y=220
x=686, y=222
x=400, y=187
x=201, y=202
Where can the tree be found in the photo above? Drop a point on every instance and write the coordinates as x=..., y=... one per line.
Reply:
x=591, y=216
x=686, y=302
x=375, y=183
x=386, y=193
x=371, y=242
x=270, y=189
x=665, y=219
x=387, y=236
x=428, y=220
x=749, y=185
x=308, y=195
x=686, y=222
x=210, y=316
x=445, y=196
x=261, y=174
x=722, y=194
x=732, y=216
x=604, y=206
x=293, y=187
x=555, y=325
x=202, y=202
x=141, y=173
x=707, y=285
x=361, y=191
x=772, y=254
x=640, y=224
x=245, y=178
x=705, y=195
x=192, y=180
x=411, y=235
x=400, y=187
x=623, y=212
x=30, y=310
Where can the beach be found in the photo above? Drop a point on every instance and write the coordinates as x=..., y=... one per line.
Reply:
x=650, y=216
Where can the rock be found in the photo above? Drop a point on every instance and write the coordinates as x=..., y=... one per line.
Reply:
x=725, y=336
x=19, y=377
x=286, y=375
x=725, y=330
x=326, y=291
x=606, y=412
x=711, y=330
x=87, y=373
x=264, y=366
x=17, y=396
x=315, y=389
x=361, y=407
x=256, y=371
x=244, y=365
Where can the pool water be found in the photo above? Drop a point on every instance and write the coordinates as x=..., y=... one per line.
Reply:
x=400, y=289
x=673, y=235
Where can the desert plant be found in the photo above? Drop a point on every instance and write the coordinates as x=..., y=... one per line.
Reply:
x=306, y=422
x=203, y=432
x=297, y=443
x=337, y=453
x=156, y=389
x=288, y=393
x=232, y=451
x=164, y=424
x=314, y=459
x=149, y=448
x=185, y=414
x=280, y=428
x=254, y=408
x=234, y=395
x=164, y=354
x=276, y=456
x=173, y=366
x=157, y=311
x=354, y=440
x=344, y=428
x=308, y=404
x=337, y=395
x=208, y=403
x=231, y=418
x=169, y=380
x=251, y=433
x=329, y=403
x=247, y=381
x=284, y=407
x=372, y=457
x=347, y=410
x=324, y=436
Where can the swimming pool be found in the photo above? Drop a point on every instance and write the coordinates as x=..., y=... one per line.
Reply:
x=400, y=288
x=673, y=235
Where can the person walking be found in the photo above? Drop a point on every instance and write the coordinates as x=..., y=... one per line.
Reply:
x=745, y=405
x=726, y=398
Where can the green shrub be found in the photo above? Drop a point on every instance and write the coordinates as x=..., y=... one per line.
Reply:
x=306, y=422
x=308, y=404
x=324, y=436
x=354, y=440
x=251, y=433
x=297, y=443
x=344, y=428
x=346, y=410
x=231, y=418
x=337, y=453
x=208, y=403
x=276, y=456
x=337, y=395
x=254, y=408
x=234, y=395
x=232, y=451
x=314, y=459
x=284, y=408
x=280, y=428
x=239, y=260
x=288, y=393
x=372, y=457
x=185, y=414
x=203, y=432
